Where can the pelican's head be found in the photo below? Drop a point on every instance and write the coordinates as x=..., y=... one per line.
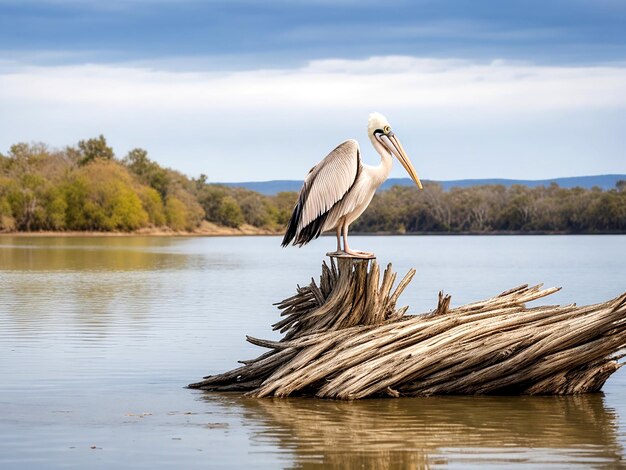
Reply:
x=379, y=130
x=377, y=121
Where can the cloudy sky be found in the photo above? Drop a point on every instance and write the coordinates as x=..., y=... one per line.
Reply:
x=246, y=90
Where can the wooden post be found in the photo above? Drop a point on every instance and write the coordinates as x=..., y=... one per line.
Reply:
x=349, y=294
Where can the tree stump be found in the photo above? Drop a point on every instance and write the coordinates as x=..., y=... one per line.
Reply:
x=344, y=338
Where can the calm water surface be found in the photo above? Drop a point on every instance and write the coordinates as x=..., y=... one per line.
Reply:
x=98, y=337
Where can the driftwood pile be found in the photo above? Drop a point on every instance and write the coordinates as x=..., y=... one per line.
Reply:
x=345, y=339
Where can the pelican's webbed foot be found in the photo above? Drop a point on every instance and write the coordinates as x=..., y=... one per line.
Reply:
x=352, y=254
x=360, y=254
x=336, y=254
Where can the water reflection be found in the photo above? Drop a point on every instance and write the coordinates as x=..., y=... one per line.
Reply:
x=93, y=278
x=427, y=432
x=83, y=287
x=90, y=254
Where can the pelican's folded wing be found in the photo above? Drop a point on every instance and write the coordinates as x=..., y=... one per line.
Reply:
x=325, y=185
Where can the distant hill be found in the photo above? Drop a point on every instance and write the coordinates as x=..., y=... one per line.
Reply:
x=602, y=181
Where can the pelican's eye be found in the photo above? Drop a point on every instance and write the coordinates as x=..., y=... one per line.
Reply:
x=387, y=129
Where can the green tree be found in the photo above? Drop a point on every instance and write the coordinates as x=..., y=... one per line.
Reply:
x=176, y=214
x=27, y=198
x=210, y=198
x=7, y=222
x=229, y=212
x=147, y=171
x=153, y=205
x=94, y=149
x=283, y=203
x=55, y=207
x=103, y=196
x=256, y=210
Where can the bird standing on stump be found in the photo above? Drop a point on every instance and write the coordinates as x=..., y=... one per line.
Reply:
x=340, y=187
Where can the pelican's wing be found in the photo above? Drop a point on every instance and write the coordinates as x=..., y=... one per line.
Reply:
x=325, y=185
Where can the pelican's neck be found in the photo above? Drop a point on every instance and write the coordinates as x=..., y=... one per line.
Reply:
x=380, y=172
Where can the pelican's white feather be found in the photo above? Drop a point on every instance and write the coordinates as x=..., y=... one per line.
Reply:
x=328, y=182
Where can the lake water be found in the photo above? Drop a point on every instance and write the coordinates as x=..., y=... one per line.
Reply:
x=99, y=336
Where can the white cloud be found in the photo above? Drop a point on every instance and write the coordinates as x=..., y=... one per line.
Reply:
x=207, y=115
x=380, y=81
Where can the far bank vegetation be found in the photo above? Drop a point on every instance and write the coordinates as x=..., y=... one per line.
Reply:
x=87, y=188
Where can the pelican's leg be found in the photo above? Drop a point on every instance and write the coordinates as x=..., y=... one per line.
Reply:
x=339, y=250
x=346, y=248
x=339, y=238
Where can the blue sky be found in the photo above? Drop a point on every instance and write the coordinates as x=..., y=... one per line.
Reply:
x=258, y=90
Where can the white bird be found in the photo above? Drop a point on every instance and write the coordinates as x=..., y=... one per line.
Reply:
x=340, y=187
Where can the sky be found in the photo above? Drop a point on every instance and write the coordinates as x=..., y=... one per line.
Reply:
x=245, y=90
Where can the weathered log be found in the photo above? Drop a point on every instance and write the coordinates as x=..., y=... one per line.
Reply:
x=346, y=339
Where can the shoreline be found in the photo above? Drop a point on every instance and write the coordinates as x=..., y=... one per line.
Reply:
x=250, y=231
x=207, y=229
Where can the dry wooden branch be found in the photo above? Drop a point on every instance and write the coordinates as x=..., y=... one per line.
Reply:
x=345, y=339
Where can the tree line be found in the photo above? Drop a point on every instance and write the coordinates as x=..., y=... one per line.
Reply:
x=496, y=208
x=87, y=188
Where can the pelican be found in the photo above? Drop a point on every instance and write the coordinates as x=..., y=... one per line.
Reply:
x=338, y=189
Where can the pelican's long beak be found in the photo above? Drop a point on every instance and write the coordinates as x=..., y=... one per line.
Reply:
x=395, y=147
